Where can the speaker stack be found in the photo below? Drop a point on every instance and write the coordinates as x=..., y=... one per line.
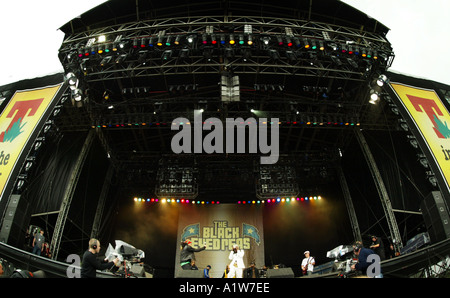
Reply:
x=190, y=274
x=280, y=273
x=14, y=225
x=436, y=217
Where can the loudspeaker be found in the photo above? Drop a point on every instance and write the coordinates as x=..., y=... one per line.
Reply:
x=280, y=273
x=13, y=227
x=190, y=274
x=436, y=216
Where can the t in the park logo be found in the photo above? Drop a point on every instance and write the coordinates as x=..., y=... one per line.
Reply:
x=17, y=114
x=430, y=107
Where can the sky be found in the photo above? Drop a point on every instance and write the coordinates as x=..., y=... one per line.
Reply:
x=31, y=39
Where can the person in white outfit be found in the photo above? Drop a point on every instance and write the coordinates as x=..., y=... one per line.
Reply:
x=237, y=262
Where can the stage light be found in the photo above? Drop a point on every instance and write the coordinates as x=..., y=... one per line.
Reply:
x=241, y=39
x=167, y=55
x=222, y=39
x=72, y=80
x=177, y=40
x=101, y=38
x=77, y=95
x=266, y=40
x=190, y=38
x=105, y=60
x=297, y=42
x=143, y=42
x=232, y=41
x=151, y=42
x=213, y=39
x=321, y=46
x=374, y=96
x=135, y=43
x=382, y=79
x=306, y=43
x=313, y=45
x=250, y=40
x=280, y=40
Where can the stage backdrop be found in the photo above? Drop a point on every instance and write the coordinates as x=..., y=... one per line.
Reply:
x=219, y=226
x=432, y=121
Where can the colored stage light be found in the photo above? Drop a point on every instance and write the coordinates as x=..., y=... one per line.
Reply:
x=204, y=39
x=306, y=43
x=232, y=41
x=321, y=46
x=250, y=40
x=280, y=40
x=177, y=40
x=241, y=39
x=213, y=39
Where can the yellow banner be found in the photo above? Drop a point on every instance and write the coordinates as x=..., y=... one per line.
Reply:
x=17, y=122
x=432, y=119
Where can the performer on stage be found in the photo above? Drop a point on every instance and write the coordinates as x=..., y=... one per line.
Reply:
x=308, y=263
x=187, y=254
x=237, y=262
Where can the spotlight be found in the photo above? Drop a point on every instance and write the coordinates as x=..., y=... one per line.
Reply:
x=232, y=41
x=190, y=38
x=169, y=41
x=101, y=38
x=374, y=96
x=72, y=80
x=167, y=55
x=382, y=79
x=77, y=95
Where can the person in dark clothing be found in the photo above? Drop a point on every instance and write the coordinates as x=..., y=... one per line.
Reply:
x=90, y=264
x=363, y=263
x=378, y=247
x=187, y=254
x=252, y=271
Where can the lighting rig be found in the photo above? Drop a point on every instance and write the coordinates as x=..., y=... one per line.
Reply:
x=220, y=60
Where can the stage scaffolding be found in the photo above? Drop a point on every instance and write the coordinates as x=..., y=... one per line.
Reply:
x=68, y=195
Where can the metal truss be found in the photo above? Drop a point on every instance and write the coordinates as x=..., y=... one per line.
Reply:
x=277, y=55
x=306, y=28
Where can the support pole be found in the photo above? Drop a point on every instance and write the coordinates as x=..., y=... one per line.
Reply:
x=68, y=195
x=381, y=188
x=101, y=202
x=350, y=208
